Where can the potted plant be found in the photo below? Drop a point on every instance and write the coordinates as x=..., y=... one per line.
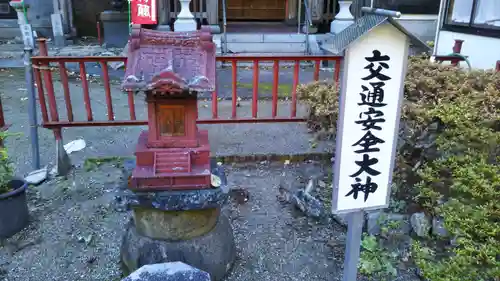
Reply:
x=13, y=204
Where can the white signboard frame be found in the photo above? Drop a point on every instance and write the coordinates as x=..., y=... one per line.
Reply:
x=350, y=180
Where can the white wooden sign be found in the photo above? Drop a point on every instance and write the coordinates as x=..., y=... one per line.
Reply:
x=371, y=95
x=27, y=34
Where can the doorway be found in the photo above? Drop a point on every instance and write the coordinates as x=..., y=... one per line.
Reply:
x=254, y=10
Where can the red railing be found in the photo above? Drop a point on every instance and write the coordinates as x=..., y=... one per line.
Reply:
x=3, y=126
x=51, y=118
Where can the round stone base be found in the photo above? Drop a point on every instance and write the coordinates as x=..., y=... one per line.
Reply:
x=174, y=225
x=213, y=252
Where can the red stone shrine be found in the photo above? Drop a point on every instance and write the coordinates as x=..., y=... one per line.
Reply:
x=171, y=68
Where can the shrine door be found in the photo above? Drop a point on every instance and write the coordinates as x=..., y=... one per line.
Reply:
x=270, y=10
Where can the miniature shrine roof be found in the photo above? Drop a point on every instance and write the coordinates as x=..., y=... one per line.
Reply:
x=363, y=25
x=170, y=62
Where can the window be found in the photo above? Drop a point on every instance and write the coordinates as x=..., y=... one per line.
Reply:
x=6, y=12
x=480, y=17
x=421, y=7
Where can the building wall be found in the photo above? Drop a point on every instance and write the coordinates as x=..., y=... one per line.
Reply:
x=422, y=26
x=85, y=15
x=38, y=15
x=482, y=51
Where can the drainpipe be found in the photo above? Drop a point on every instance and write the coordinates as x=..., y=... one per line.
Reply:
x=438, y=26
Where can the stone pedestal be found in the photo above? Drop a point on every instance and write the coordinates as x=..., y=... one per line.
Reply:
x=213, y=252
x=116, y=29
x=343, y=19
x=184, y=226
x=185, y=19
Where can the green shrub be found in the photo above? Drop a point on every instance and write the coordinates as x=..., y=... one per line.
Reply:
x=322, y=99
x=6, y=171
x=447, y=163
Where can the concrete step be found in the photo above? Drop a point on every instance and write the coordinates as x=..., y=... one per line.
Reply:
x=262, y=43
x=264, y=38
x=255, y=47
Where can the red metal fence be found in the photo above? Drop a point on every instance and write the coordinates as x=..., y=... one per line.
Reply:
x=51, y=118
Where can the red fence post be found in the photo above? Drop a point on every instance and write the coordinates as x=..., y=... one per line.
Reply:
x=498, y=66
x=2, y=122
x=63, y=163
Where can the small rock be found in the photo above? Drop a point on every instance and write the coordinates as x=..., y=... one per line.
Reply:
x=91, y=260
x=438, y=228
x=308, y=204
x=85, y=239
x=172, y=271
x=340, y=218
x=396, y=223
x=37, y=177
x=120, y=203
x=322, y=184
x=240, y=195
x=284, y=195
x=421, y=224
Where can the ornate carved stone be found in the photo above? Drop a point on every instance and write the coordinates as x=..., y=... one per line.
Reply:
x=170, y=62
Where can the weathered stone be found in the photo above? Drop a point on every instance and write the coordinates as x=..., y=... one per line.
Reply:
x=438, y=228
x=308, y=204
x=421, y=224
x=213, y=252
x=179, y=200
x=174, y=225
x=340, y=218
x=172, y=271
x=395, y=223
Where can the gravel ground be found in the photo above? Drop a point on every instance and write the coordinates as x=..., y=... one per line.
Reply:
x=76, y=229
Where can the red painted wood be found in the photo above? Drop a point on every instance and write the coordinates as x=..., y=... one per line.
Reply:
x=276, y=77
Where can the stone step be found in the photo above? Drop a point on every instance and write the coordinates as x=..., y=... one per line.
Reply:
x=266, y=47
x=264, y=38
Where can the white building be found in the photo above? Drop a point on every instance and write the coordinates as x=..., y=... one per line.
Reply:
x=477, y=23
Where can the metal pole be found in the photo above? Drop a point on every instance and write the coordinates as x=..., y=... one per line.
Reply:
x=35, y=149
x=353, y=245
x=299, y=12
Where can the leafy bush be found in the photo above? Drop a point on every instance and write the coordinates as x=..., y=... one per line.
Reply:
x=6, y=171
x=447, y=164
x=322, y=99
x=374, y=260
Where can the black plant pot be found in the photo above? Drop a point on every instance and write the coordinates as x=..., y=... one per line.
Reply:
x=13, y=209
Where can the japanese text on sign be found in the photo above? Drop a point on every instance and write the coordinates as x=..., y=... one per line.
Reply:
x=371, y=119
x=143, y=11
x=371, y=94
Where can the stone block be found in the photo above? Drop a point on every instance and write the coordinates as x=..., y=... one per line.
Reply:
x=172, y=271
x=395, y=223
x=174, y=225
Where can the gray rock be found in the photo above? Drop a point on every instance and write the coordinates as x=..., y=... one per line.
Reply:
x=172, y=271
x=340, y=218
x=308, y=204
x=396, y=223
x=179, y=200
x=421, y=224
x=438, y=228
x=213, y=252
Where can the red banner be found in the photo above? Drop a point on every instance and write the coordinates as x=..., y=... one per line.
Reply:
x=143, y=11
